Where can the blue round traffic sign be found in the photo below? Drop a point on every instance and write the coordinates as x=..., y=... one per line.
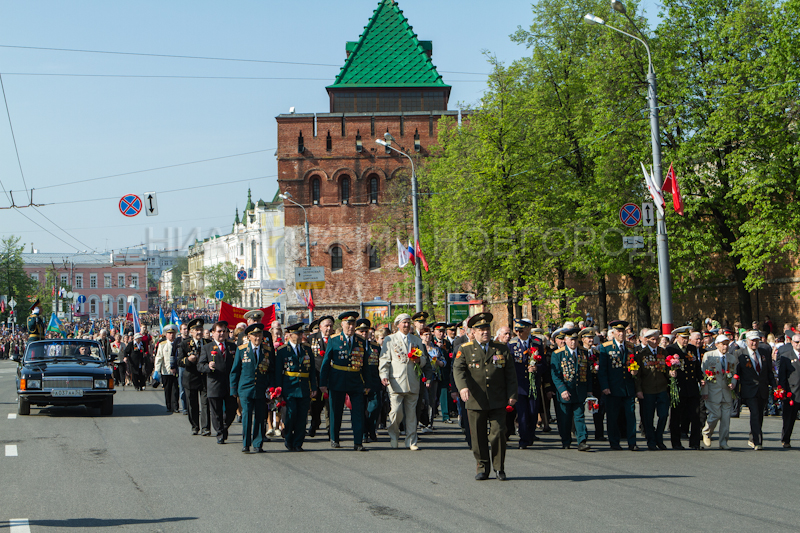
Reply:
x=130, y=205
x=219, y=295
x=241, y=275
x=81, y=299
x=630, y=215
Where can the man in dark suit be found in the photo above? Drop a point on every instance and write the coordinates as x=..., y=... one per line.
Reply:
x=689, y=376
x=215, y=362
x=789, y=380
x=756, y=375
x=194, y=382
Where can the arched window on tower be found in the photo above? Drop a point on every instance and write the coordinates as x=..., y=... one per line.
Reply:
x=374, y=258
x=253, y=255
x=336, y=258
x=345, y=189
x=315, y=190
x=373, y=189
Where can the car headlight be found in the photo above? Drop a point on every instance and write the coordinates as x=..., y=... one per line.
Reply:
x=33, y=384
x=101, y=384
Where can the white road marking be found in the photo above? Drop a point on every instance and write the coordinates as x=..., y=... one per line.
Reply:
x=11, y=450
x=19, y=525
x=12, y=416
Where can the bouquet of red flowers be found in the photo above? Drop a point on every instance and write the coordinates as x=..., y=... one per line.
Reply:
x=779, y=393
x=711, y=376
x=275, y=393
x=414, y=356
x=674, y=363
x=633, y=366
x=534, y=358
x=593, y=405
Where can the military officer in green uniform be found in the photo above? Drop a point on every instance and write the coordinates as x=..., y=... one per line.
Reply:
x=295, y=374
x=250, y=378
x=344, y=372
x=487, y=383
x=569, y=367
x=373, y=382
x=617, y=384
x=35, y=323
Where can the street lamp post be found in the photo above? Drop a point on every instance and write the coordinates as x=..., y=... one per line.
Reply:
x=662, y=245
x=288, y=197
x=386, y=141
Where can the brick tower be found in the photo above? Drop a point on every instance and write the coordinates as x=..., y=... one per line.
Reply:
x=331, y=165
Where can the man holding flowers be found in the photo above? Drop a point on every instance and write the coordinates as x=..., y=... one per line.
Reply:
x=717, y=390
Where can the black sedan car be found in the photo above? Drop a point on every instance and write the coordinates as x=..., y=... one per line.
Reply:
x=65, y=372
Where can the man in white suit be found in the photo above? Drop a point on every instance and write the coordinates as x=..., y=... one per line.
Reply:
x=399, y=375
x=717, y=393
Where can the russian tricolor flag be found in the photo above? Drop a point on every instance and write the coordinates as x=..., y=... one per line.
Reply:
x=133, y=316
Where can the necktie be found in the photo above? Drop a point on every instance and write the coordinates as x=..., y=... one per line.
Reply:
x=222, y=351
x=724, y=364
x=758, y=363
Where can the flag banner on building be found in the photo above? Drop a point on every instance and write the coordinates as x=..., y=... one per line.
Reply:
x=175, y=319
x=402, y=254
x=421, y=257
x=233, y=315
x=133, y=316
x=671, y=185
x=411, y=256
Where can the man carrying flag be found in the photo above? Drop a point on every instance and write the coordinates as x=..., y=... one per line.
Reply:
x=133, y=316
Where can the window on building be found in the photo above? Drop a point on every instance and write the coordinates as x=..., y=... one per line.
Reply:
x=35, y=276
x=63, y=279
x=301, y=146
x=93, y=306
x=134, y=281
x=373, y=190
x=78, y=281
x=107, y=281
x=241, y=249
x=92, y=281
x=121, y=280
x=121, y=305
x=253, y=255
x=336, y=258
x=328, y=142
x=345, y=187
x=315, y=190
x=374, y=258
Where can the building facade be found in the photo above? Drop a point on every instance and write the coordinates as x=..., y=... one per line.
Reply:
x=332, y=166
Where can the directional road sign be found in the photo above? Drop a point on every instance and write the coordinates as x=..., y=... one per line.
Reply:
x=309, y=278
x=130, y=205
x=636, y=241
x=241, y=275
x=81, y=299
x=648, y=214
x=12, y=303
x=219, y=295
x=150, y=204
x=630, y=215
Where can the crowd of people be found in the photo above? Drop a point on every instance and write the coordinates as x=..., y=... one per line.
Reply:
x=282, y=384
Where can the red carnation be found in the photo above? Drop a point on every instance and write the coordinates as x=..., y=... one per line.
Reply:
x=788, y=394
x=271, y=391
x=736, y=376
x=791, y=402
x=424, y=379
x=509, y=408
x=325, y=396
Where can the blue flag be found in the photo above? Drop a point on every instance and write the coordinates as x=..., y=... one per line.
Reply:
x=174, y=319
x=161, y=320
x=91, y=330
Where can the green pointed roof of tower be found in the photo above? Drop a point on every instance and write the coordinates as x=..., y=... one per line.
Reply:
x=249, y=206
x=236, y=220
x=388, y=54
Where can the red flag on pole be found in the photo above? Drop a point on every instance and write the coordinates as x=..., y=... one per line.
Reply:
x=671, y=185
x=311, y=305
x=422, y=257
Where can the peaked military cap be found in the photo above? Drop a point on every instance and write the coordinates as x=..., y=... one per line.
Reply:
x=348, y=316
x=571, y=333
x=522, y=323
x=255, y=329
x=559, y=333
x=314, y=324
x=537, y=331
x=324, y=318
x=587, y=332
x=255, y=314
x=682, y=331
x=440, y=325
x=422, y=316
x=481, y=320
x=196, y=323
x=618, y=324
x=363, y=323
x=452, y=326
x=295, y=328
x=171, y=327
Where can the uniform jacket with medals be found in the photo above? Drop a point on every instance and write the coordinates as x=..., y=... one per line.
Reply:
x=251, y=374
x=165, y=361
x=373, y=381
x=689, y=374
x=613, y=372
x=318, y=346
x=294, y=371
x=570, y=373
x=653, y=376
x=35, y=328
x=398, y=368
x=718, y=391
x=522, y=359
x=344, y=368
x=490, y=376
x=218, y=381
x=192, y=377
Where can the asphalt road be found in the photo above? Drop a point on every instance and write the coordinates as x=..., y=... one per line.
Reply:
x=142, y=470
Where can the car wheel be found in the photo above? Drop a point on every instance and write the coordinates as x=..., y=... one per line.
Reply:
x=24, y=407
x=107, y=408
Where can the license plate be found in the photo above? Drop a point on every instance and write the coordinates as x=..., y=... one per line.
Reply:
x=68, y=392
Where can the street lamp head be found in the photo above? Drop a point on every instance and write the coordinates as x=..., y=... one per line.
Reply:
x=619, y=7
x=285, y=195
x=388, y=137
x=381, y=142
x=591, y=19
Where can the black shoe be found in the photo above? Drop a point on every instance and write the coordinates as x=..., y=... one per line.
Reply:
x=481, y=476
x=312, y=433
x=299, y=449
x=678, y=447
x=258, y=449
x=374, y=437
x=787, y=445
x=195, y=431
x=583, y=447
x=501, y=475
x=546, y=430
x=206, y=434
x=695, y=447
x=245, y=449
x=523, y=446
x=367, y=439
x=661, y=446
x=600, y=438
x=652, y=448
x=220, y=440
x=239, y=419
x=535, y=438
x=616, y=447
x=359, y=448
x=565, y=446
x=633, y=448
x=335, y=444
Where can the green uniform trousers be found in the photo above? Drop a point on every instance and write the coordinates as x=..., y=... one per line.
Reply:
x=294, y=432
x=253, y=420
x=336, y=399
x=496, y=418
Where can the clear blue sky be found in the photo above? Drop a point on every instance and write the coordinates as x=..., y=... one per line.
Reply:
x=78, y=128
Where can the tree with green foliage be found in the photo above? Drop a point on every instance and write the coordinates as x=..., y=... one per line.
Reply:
x=14, y=282
x=222, y=277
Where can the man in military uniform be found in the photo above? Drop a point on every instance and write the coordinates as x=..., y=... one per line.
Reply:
x=569, y=367
x=294, y=373
x=35, y=324
x=344, y=373
x=487, y=383
x=419, y=322
x=689, y=376
x=373, y=383
x=250, y=318
x=446, y=347
x=587, y=340
x=250, y=377
x=618, y=385
x=524, y=350
x=194, y=382
x=215, y=362
x=319, y=343
x=652, y=388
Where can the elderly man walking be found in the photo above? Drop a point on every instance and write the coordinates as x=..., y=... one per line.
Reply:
x=717, y=391
x=403, y=362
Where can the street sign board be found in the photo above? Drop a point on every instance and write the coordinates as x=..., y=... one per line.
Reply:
x=309, y=278
x=81, y=299
x=150, y=204
x=457, y=312
x=630, y=215
x=635, y=241
x=130, y=205
x=12, y=303
x=219, y=295
x=648, y=214
x=241, y=275
x=277, y=306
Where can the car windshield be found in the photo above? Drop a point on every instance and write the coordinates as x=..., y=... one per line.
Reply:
x=51, y=351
